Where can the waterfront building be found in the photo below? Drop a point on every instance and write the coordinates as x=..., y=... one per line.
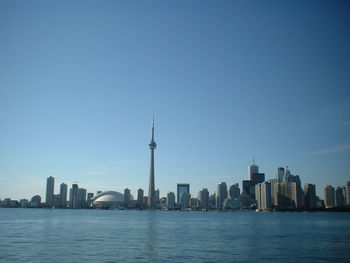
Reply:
x=157, y=196
x=346, y=190
x=81, y=198
x=248, y=188
x=339, y=197
x=203, y=198
x=50, y=184
x=212, y=201
x=23, y=203
x=329, y=195
x=89, y=197
x=56, y=200
x=108, y=200
x=182, y=188
x=127, y=197
x=234, y=191
x=263, y=196
x=287, y=196
x=77, y=197
x=221, y=194
x=310, y=200
x=73, y=192
x=273, y=182
x=35, y=201
x=151, y=191
x=140, y=197
x=185, y=200
x=170, y=200
x=194, y=202
x=63, y=195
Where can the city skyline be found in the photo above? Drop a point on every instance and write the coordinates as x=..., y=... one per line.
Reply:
x=228, y=82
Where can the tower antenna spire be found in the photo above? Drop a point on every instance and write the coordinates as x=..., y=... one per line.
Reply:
x=253, y=160
x=153, y=127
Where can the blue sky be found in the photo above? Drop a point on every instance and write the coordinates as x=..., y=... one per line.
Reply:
x=227, y=81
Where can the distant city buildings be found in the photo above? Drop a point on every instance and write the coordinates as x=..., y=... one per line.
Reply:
x=263, y=196
x=221, y=195
x=310, y=200
x=203, y=198
x=63, y=195
x=329, y=198
x=140, y=198
x=50, y=184
x=170, y=201
x=127, y=197
x=284, y=192
x=181, y=189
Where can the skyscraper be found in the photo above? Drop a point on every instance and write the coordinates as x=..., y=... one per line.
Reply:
x=221, y=194
x=329, y=196
x=346, y=190
x=339, y=197
x=151, y=195
x=73, y=196
x=310, y=196
x=280, y=174
x=263, y=195
x=50, y=184
x=203, y=198
x=127, y=197
x=63, y=194
x=252, y=169
x=170, y=201
x=140, y=202
x=182, y=188
x=234, y=191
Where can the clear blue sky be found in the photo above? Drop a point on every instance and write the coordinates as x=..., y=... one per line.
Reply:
x=227, y=80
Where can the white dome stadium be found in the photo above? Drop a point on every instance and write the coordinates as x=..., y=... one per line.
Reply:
x=108, y=199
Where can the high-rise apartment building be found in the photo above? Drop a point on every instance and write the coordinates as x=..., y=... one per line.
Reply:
x=310, y=196
x=221, y=194
x=287, y=196
x=234, y=191
x=170, y=201
x=339, y=197
x=73, y=196
x=157, y=196
x=273, y=182
x=329, y=196
x=50, y=184
x=140, y=198
x=127, y=197
x=346, y=190
x=203, y=198
x=182, y=188
x=263, y=196
x=185, y=200
x=63, y=194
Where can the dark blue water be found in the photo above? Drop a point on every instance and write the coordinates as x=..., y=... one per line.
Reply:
x=41, y=235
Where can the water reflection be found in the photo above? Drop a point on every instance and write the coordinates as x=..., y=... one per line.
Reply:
x=152, y=235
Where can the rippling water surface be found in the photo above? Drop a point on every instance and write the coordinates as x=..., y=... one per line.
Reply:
x=42, y=235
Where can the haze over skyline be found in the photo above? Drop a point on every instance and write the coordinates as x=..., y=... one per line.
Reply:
x=227, y=81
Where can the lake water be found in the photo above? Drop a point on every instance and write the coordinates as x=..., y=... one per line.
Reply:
x=43, y=235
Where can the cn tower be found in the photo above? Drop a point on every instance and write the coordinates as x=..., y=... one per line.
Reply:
x=151, y=195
